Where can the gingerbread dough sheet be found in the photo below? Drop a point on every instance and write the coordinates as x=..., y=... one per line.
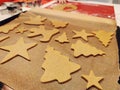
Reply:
x=21, y=74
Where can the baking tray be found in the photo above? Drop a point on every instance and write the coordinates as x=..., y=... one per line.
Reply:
x=95, y=9
x=25, y=75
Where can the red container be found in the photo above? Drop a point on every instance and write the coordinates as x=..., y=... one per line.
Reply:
x=1, y=1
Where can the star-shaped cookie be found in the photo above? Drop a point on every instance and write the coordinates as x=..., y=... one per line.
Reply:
x=57, y=66
x=93, y=80
x=85, y=49
x=18, y=49
x=82, y=34
x=47, y=34
x=8, y=27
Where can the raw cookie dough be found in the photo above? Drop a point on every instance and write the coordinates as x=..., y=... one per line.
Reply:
x=82, y=34
x=57, y=66
x=62, y=38
x=58, y=23
x=47, y=34
x=93, y=80
x=4, y=38
x=85, y=49
x=8, y=27
x=21, y=30
x=104, y=36
x=38, y=20
x=18, y=49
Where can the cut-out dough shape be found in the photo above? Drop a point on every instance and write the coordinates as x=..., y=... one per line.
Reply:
x=58, y=23
x=65, y=7
x=82, y=34
x=8, y=27
x=18, y=49
x=62, y=38
x=85, y=49
x=21, y=30
x=104, y=36
x=38, y=20
x=93, y=80
x=57, y=66
x=3, y=38
x=47, y=34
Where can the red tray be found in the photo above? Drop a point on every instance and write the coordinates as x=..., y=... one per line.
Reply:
x=98, y=10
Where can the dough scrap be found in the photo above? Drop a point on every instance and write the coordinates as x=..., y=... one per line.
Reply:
x=57, y=66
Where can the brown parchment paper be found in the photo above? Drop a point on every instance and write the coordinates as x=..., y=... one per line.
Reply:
x=21, y=74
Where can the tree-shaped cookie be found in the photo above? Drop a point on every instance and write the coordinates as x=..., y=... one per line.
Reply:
x=85, y=49
x=38, y=20
x=8, y=27
x=58, y=23
x=82, y=34
x=104, y=36
x=57, y=66
x=18, y=49
x=62, y=38
x=93, y=80
x=3, y=38
x=47, y=34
